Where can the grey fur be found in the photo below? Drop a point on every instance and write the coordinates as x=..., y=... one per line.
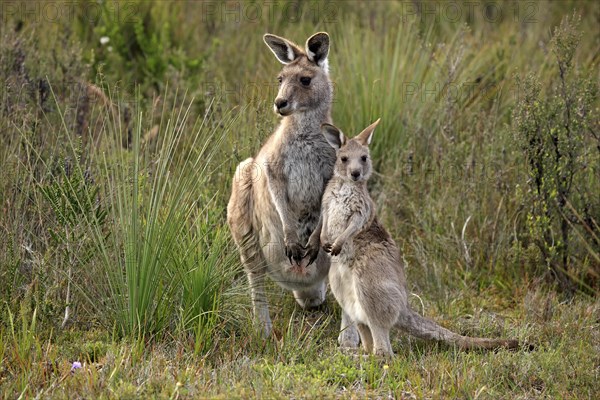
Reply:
x=275, y=204
x=367, y=275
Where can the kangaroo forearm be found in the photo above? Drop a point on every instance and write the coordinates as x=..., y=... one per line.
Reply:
x=356, y=223
x=348, y=233
x=279, y=198
x=288, y=224
x=315, y=237
x=323, y=223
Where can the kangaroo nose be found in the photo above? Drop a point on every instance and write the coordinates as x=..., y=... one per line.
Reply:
x=355, y=174
x=280, y=103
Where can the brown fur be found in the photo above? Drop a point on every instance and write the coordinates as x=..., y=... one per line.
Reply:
x=367, y=275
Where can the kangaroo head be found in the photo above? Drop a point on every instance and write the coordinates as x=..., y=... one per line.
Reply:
x=353, y=161
x=304, y=83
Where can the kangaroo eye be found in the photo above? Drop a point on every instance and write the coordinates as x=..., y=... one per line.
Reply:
x=305, y=80
x=364, y=158
x=344, y=159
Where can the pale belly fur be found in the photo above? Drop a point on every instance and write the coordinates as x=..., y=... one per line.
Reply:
x=344, y=286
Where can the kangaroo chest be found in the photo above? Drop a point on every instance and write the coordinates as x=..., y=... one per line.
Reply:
x=342, y=202
x=307, y=166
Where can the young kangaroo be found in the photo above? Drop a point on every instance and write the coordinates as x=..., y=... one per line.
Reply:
x=367, y=276
x=275, y=205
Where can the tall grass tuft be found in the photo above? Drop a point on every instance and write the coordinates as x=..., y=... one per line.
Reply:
x=158, y=201
x=158, y=241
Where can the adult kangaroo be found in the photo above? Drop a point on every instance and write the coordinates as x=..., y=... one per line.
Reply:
x=275, y=205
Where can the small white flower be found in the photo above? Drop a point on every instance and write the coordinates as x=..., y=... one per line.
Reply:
x=109, y=48
x=104, y=40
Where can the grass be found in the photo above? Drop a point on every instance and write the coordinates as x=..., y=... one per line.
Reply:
x=304, y=361
x=117, y=160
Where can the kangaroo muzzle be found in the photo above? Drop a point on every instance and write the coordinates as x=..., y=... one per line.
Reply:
x=282, y=106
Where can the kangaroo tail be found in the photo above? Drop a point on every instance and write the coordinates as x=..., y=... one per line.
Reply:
x=425, y=328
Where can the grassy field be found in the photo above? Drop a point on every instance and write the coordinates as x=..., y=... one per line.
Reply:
x=121, y=124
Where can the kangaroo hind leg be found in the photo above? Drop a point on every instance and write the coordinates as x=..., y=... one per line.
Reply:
x=239, y=217
x=365, y=337
x=381, y=341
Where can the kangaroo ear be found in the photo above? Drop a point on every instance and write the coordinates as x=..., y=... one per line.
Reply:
x=366, y=135
x=284, y=50
x=334, y=136
x=317, y=49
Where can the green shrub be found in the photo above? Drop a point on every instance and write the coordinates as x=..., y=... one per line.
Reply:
x=134, y=43
x=556, y=130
